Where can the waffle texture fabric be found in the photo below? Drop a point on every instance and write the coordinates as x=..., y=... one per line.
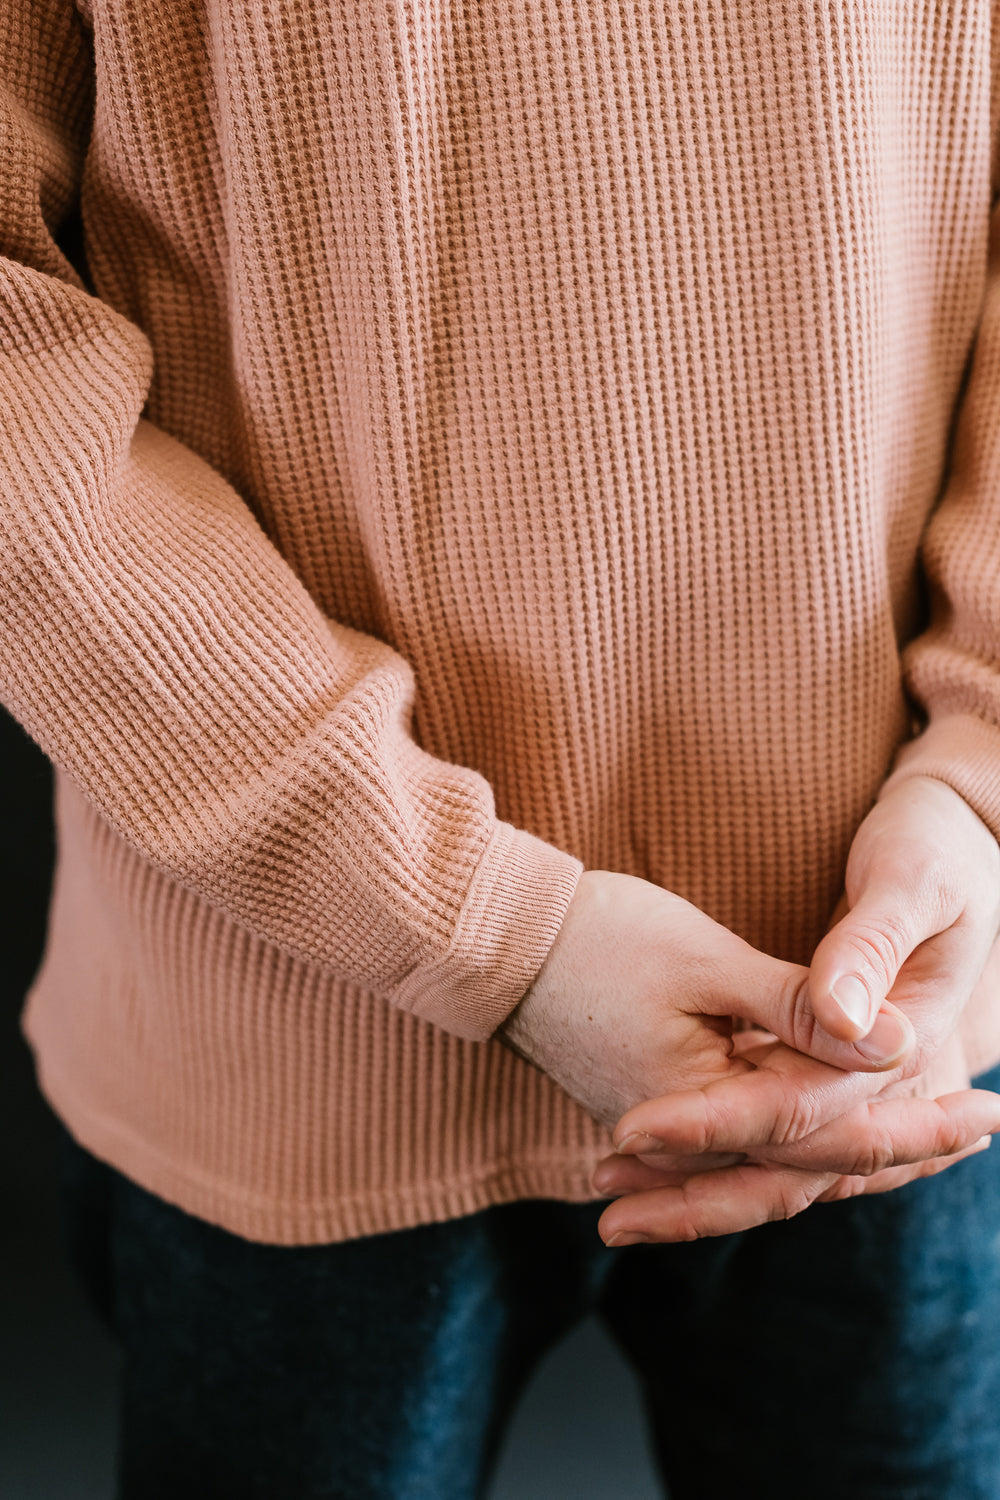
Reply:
x=445, y=445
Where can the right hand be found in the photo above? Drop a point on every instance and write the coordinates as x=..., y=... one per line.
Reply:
x=667, y=1193
x=636, y=998
x=873, y=1148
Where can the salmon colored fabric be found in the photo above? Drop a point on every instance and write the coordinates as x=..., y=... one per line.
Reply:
x=471, y=440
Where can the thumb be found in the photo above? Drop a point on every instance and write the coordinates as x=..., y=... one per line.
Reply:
x=857, y=963
x=778, y=997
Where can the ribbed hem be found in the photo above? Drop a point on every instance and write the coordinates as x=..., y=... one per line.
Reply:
x=964, y=752
x=547, y=1173
x=514, y=907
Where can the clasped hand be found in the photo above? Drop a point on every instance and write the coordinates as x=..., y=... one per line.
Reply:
x=856, y=1075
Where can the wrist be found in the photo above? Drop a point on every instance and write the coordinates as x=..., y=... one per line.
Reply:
x=532, y=1013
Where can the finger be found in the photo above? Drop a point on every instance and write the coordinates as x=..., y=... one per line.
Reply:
x=856, y=965
x=732, y=1199
x=616, y=1175
x=778, y=996
x=895, y=1177
x=885, y=1134
x=712, y=1203
x=783, y=1100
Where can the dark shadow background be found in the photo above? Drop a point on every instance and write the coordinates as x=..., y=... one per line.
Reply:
x=578, y=1431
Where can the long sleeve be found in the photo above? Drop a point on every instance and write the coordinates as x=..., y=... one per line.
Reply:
x=952, y=669
x=490, y=436
x=168, y=658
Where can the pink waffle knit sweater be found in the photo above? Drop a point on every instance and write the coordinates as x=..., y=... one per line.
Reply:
x=470, y=441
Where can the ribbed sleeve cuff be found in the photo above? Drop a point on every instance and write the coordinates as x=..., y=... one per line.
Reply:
x=964, y=752
x=515, y=905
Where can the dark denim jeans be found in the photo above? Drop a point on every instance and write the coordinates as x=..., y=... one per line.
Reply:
x=850, y=1354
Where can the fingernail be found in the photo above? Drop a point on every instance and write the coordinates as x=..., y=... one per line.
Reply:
x=626, y=1237
x=852, y=996
x=638, y=1142
x=889, y=1039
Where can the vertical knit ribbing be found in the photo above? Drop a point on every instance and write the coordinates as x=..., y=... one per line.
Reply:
x=501, y=443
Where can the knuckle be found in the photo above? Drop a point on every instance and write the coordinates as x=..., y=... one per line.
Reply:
x=847, y=1186
x=932, y=1166
x=877, y=1154
x=790, y=1199
x=692, y=1222
x=950, y=1138
x=706, y=1123
x=882, y=947
x=689, y=1228
x=795, y=1118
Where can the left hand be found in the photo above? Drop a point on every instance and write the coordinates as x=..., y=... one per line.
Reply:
x=922, y=915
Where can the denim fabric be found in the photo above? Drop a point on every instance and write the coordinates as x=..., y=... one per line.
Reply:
x=850, y=1354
